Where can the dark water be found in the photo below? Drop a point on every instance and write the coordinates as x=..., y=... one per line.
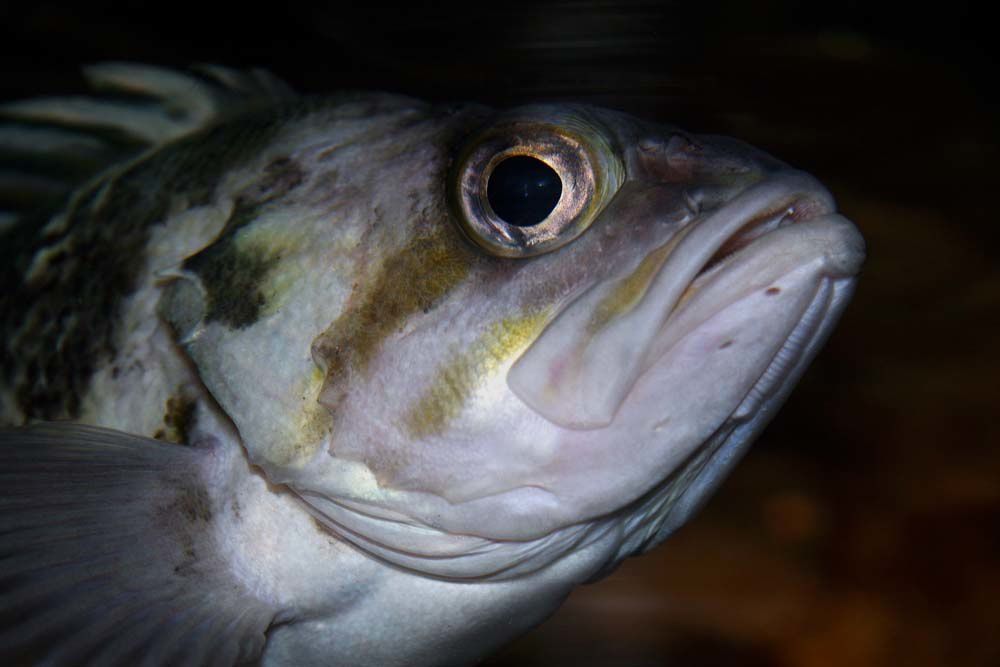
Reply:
x=864, y=527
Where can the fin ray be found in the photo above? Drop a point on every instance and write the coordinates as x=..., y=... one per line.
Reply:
x=49, y=146
x=128, y=574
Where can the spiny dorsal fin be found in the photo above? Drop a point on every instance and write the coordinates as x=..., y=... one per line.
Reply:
x=49, y=146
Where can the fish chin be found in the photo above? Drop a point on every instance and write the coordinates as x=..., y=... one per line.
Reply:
x=731, y=332
x=814, y=295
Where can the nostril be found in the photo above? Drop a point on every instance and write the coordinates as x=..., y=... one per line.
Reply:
x=693, y=202
x=806, y=208
x=649, y=145
x=680, y=144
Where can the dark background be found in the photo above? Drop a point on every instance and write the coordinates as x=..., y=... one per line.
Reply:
x=864, y=527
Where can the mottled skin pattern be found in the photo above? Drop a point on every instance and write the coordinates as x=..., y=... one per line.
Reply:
x=63, y=320
x=232, y=279
x=406, y=450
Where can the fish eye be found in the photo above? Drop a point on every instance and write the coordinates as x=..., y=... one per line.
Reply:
x=526, y=187
x=523, y=190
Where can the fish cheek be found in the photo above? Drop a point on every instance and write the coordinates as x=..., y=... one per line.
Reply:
x=412, y=281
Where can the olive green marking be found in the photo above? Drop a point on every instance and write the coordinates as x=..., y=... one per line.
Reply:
x=412, y=280
x=630, y=289
x=61, y=325
x=458, y=378
x=232, y=276
x=232, y=272
x=311, y=427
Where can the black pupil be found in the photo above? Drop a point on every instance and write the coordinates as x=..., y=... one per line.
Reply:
x=523, y=190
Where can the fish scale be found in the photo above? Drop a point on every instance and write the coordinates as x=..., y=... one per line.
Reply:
x=284, y=380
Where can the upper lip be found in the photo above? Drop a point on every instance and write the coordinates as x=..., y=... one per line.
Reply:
x=786, y=199
x=578, y=375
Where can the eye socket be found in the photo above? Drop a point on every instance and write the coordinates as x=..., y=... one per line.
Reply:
x=525, y=187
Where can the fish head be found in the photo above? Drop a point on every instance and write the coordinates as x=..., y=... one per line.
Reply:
x=508, y=327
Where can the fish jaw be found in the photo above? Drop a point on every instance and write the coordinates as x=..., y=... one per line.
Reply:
x=711, y=371
x=584, y=365
x=445, y=425
x=505, y=470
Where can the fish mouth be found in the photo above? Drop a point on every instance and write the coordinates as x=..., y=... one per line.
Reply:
x=584, y=365
x=764, y=221
x=811, y=203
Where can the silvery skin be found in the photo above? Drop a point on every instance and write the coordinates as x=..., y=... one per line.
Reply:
x=320, y=395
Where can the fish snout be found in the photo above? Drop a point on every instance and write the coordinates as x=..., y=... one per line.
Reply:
x=584, y=365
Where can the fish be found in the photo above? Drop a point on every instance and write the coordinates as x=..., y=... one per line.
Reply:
x=363, y=380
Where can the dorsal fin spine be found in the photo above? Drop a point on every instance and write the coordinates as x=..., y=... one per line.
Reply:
x=135, y=108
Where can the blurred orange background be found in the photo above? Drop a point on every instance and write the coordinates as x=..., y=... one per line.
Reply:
x=864, y=527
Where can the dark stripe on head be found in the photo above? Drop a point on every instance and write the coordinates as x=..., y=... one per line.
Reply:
x=61, y=324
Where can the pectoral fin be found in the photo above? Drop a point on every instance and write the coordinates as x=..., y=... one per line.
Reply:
x=108, y=554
